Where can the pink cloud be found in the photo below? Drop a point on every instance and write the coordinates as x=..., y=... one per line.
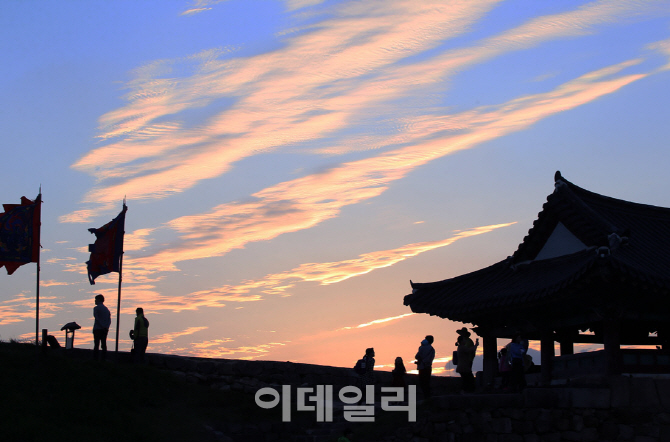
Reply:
x=281, y=283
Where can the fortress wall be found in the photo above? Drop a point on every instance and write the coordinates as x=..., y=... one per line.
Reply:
x=599, y=409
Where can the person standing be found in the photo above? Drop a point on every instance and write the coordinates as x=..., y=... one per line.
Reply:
x=424, y=363
x=398, y=380
x=504, y=367
x=465, y=351
x=102, y=321
x=398, y=373
x=140, y=335
x=367, y=377
x=517, y=350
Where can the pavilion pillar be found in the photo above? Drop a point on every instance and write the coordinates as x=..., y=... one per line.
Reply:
x=612, y=345
x=546, y=356
x=490, y=350
x=567, y=347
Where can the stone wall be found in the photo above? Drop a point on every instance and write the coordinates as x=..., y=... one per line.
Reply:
x=620, y=409
x=597, y=409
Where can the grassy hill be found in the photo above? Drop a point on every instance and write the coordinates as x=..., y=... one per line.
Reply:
x=52, y=397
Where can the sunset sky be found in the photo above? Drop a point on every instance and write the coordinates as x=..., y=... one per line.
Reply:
x=290, y=165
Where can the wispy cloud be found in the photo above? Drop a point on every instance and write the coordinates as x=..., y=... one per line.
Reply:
x=324, y=273
x=663, y=47
x=201, y=6
x=321, y=82
x=305, y=202
x=321, y=87
x=309, y=89
x=22, y=308
x=378, y=321
x=52, y=283
x=170, y=337
x=220, y=348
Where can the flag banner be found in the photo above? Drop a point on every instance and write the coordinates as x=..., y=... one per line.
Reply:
x=20, y=233
x=108, y=247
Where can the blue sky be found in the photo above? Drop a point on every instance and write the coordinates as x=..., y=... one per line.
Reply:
x=290, y=166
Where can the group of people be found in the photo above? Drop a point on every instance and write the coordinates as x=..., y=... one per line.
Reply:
x=102, y=322
x=513, y=361
x=423, y=360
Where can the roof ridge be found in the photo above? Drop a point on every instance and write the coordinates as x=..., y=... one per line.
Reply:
x=605, y=198
x=568, y=190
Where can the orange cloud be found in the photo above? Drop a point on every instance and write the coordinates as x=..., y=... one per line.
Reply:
x=307, y=201
x=324, y=273
x=217, y=349
x=170, y=337
x=319, y=83
x=52, y=283
x=378, y=321
x=22, y=308
x=284, y=97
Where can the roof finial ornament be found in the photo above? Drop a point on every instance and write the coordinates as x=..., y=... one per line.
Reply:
x=603, y=251
x=617, y=241
x=558, y=180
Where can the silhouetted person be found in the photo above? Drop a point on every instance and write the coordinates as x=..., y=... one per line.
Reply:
x=368, y=376
x=398, y=373
x=102, y=321
x=504, y=367
x=517, y=351
x=141, y=335
x=466, y=350
x=424, y=363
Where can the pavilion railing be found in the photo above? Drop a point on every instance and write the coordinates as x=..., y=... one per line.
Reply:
x=631, y=361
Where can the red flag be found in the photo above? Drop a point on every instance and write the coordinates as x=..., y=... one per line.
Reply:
x=108, y=247
x=20, y=233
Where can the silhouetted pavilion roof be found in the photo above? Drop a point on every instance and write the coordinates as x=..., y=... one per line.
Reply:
x=623, y=263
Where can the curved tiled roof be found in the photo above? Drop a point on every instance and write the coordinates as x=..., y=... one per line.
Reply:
x=635, y=239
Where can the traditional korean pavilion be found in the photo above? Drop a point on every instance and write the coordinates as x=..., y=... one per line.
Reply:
x=592, y=269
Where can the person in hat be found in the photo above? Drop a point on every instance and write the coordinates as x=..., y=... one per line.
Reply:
x=101, y=324
x=466, y=350
x=424, y=364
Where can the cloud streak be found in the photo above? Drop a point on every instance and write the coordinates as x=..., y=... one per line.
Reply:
x=320, y=92
x=22, y=308
x=311, y=88
x=324, y=273
x=218, y=348
x=320, y=83
x=307, y=201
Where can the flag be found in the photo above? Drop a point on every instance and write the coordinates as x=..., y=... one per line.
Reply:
x=20, y=233
x=107, y=250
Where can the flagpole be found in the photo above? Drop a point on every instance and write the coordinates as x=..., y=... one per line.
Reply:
x=37, y=306
x=37, y=290
x=118, y=305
